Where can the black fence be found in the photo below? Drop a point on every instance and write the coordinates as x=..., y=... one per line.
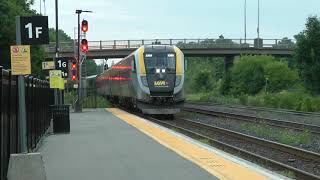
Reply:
x=89, y=98
x=38, y=98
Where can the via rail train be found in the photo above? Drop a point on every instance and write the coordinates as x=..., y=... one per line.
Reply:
x=151, y=79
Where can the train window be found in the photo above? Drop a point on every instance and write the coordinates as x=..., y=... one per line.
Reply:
x=162, y=60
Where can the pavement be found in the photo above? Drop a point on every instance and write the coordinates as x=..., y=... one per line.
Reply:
x=101, y=146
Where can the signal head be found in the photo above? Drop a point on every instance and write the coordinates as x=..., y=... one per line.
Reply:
x=84, y=26
x=84, y=46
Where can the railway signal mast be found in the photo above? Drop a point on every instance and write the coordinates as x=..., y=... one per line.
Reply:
x=83, y=46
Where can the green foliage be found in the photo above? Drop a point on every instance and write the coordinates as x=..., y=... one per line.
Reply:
x=252, y=74
x=203, y=74
x=307, y=54
x=247, y=75
x=221, y=42
x=285, y=43
x=9, y=9
x=63, y=37
x=280, y=76
x=203, y=81
x=284, y=136
x=92, y=68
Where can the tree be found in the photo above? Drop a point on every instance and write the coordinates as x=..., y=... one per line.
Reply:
x=285, y=43
x=63, y=37
x=247, y=76
x=307, y=54
x=280, y=76
x=251, y=74
x=92, y=68
x=8, y=11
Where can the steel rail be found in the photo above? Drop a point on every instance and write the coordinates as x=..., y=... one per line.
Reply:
x=276, y=110
x=271, y=122
x=300, y=174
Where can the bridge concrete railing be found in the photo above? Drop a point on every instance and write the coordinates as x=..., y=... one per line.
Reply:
x=181, y=43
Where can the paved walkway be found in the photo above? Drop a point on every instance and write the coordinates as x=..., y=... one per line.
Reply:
x=103, y=147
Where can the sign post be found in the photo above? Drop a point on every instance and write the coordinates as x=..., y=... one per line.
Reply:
x=29, y=31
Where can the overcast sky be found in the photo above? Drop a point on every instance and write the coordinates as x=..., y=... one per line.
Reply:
x=142, y=19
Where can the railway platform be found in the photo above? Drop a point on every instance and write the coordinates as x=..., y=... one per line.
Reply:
x=112, y=144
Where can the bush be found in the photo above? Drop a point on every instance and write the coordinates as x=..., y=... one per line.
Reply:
x=251, y=74
x=280, y=76
x=247, y=76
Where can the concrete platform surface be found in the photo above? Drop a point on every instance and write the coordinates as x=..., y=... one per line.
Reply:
x=100, y=147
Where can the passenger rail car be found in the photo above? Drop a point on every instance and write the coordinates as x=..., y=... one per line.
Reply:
x=150, y=79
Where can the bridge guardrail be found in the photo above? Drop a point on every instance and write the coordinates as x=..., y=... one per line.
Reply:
x=38, y=98
x=181, y=43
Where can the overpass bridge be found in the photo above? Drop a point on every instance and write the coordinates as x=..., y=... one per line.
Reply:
x=190, y=47
x=228, y=48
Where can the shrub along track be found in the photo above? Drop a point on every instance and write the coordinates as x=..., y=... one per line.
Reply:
x=303, y=164
x=296, y=126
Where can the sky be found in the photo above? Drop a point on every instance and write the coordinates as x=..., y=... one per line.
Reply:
x=151, y=19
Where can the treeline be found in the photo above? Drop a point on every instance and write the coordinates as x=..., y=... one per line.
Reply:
x=9, y=9
x=292, y=83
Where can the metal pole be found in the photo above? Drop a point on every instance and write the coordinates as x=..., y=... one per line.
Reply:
x=22, y=100
x=245, y=21
x=258, y=30
x=40, y=7
x=78, y=105
x=44, y=7
x=57, y=92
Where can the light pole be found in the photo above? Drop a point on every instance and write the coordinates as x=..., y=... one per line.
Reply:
x=78, y=106
x=258, y=29
x=57, y=93
x=245, y=21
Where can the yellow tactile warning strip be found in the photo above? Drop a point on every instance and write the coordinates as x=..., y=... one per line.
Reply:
x=211, y=162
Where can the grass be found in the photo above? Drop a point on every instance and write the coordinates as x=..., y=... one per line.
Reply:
x=288, y=174
x=205, y=141
x=88, y=102
x=285, y=136
x=285, y=100
x=194, y=97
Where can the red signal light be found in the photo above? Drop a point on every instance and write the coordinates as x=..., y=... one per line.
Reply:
x=84, y=26
x=74, y=71
x=84, y=46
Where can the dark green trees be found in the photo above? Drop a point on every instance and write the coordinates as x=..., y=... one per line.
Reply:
x=307, y=54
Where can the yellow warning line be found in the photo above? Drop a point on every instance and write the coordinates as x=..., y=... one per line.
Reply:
x=211, y=162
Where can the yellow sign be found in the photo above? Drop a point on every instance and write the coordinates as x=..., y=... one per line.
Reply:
x=61, y=84
x=20, y=60
x=55, y=73
x=160, y=83
x=56, y=81
x=48, y=65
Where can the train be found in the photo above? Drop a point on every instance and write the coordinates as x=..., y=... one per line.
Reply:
x=150, y=79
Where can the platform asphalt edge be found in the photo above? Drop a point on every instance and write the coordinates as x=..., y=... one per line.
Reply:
x=208, y=160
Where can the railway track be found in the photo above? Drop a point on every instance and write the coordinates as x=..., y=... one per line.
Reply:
x=303, y=164
x=314, y=129
x=263, y=109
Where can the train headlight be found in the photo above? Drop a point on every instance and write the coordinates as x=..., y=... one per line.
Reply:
x=178, y=80
x=144, y=81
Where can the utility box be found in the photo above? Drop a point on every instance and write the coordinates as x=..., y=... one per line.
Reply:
x=258, y=43
x=61, y=118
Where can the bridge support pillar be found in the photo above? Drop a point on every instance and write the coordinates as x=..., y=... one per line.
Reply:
x=228, y=62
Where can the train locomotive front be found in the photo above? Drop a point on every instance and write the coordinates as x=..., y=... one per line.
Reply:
x=150, y=79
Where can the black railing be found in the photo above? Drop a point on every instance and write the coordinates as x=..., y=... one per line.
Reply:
x=70, y=46
x=38, y=98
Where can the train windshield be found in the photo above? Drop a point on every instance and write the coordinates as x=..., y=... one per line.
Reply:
x=160, y=61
